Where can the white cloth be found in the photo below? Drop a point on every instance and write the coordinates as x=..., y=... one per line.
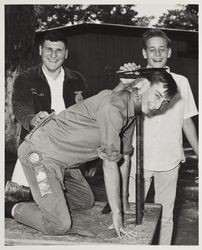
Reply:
x=56, y=89
x=163, y=140
x=18, y=174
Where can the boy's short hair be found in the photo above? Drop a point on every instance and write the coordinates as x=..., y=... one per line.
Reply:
x=168, y=82
x=53, y=36
x=155, y=33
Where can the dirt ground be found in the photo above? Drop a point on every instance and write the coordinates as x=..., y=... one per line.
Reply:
x=186, y=228
x=186, y=225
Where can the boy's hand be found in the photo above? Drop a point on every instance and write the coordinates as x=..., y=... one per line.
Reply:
x=119, y=227
x=128, y=67
x=38, y=118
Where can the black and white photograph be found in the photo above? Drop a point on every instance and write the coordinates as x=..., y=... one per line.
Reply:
x=101, y=124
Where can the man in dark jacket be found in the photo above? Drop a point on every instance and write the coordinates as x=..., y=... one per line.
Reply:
x=33, y=88
x=43, y=89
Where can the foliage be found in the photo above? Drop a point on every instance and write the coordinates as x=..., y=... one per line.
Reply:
x=50, y=16
x=144, y=21
x=19, y=35
x=22, y=20
x=184, y=18
x=12, y=129
x=19, y=38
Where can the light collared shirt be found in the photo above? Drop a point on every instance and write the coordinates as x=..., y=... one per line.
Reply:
x=56, y=89
x=163, y=141
x=100, y=126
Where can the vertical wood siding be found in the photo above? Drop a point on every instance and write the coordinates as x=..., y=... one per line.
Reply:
x=91, y=49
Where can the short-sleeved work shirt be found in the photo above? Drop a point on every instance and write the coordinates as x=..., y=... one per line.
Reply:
x=100, y=126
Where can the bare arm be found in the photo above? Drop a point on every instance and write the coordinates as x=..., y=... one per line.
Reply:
x=191, y=134
x=125, y=83
x=112, y=184
x=124, y=170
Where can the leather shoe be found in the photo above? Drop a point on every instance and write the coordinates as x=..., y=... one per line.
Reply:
x=17, y=193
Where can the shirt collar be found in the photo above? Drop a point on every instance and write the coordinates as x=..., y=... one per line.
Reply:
x=60, y=76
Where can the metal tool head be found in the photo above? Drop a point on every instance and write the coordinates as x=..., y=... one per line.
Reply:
x=138, y=73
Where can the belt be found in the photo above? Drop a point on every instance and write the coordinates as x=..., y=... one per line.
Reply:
x=47, y=119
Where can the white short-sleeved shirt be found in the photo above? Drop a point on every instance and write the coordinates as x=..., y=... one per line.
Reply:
x=163, y=139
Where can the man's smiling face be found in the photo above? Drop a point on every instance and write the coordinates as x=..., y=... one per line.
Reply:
x=157, y=52
x=153, y=99
x=53, y=54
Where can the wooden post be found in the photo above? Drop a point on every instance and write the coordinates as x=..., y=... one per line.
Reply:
x=139, y=188
x=139, y=170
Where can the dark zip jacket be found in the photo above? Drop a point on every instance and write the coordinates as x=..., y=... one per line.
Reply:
x=31, y=94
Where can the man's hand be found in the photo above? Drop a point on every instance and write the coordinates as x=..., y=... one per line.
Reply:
x=38, y=118
x=128, y=67
x=119, y=227
x=112, y=184
x=125, y=82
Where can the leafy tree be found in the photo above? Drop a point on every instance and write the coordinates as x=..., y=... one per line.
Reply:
x=119, y=14
x=19, y=37
x=49, y=16
x=144, y=21
x=21, y=21
x=184, y=18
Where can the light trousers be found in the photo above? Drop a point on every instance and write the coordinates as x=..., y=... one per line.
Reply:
x=165, y=185
x=50, y=212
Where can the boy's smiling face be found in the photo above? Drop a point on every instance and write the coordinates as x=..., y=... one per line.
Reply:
x=157, y=52
x=154, y=99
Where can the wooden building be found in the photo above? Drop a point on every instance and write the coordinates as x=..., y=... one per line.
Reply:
x=94, y=46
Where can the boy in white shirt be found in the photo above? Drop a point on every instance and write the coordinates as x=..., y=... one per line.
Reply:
x=163, y=142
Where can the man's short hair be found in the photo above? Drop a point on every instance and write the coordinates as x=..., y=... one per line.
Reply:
x=168, y=82
x=155, y=33
x=54, y=36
